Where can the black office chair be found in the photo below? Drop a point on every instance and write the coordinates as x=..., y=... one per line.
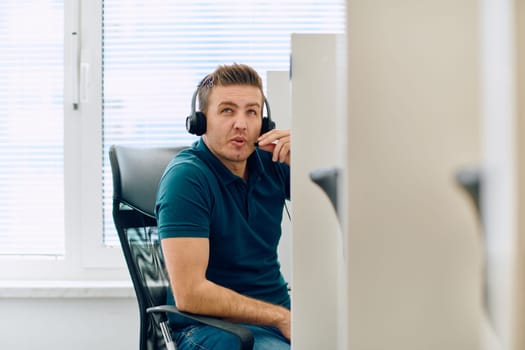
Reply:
x=136, y=174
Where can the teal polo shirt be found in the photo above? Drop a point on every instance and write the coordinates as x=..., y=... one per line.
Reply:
x=200, y=197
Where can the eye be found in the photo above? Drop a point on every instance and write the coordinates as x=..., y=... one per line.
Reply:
x=253, y=112
x=227, y=110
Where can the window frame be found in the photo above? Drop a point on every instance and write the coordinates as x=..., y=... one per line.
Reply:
x=94, y=253
x=85, y=257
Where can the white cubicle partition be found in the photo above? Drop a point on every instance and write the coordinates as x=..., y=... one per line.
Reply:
x=414, y=243
x=404, y=268
x=317, y=248
x=278, y=95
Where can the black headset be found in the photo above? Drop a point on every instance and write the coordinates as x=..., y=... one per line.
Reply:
x=196, y=121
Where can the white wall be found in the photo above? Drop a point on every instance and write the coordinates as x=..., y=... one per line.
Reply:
x=68, y=315
x=68, y=323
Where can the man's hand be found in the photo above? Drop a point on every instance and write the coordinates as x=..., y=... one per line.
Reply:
x=284, y=324
x=278, y=142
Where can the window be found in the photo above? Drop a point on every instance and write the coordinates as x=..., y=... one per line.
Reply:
x=31, y=128
x=130, y=68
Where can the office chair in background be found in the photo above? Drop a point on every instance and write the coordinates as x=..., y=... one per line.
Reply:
x=136, y=174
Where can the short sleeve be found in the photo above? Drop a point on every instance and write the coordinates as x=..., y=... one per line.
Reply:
x=184, y=202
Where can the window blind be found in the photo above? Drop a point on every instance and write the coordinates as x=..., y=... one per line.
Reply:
x=156, y=51
x=31, y=128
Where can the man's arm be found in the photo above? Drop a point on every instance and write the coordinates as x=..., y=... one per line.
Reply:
x=186, y=262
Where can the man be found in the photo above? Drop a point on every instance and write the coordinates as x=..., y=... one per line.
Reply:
x=219, y=211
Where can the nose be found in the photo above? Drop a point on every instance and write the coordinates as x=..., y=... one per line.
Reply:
x=240, y=123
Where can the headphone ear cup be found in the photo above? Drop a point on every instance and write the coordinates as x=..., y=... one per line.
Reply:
x=196, y=123
x=267, y=125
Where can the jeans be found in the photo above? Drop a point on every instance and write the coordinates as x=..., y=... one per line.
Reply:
x=202, y=337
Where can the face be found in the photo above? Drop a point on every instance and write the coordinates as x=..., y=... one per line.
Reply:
x=233, y=124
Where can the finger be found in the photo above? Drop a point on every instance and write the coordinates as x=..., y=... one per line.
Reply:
x=277, y=152
x=273, y=135
x=281, y=152
x=284, y=153
x=268, y=148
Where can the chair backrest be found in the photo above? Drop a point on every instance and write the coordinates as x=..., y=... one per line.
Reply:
x=136, y=175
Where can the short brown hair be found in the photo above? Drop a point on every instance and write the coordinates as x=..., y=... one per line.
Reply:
x=225, y=75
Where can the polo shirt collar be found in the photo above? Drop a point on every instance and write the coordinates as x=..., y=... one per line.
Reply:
x=254, y=164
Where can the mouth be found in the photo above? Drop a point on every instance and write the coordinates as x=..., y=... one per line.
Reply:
x=238, y=141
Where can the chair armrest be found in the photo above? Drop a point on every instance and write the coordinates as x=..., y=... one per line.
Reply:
x=244, y=334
